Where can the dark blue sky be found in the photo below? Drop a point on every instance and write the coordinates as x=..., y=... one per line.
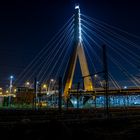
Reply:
x=26, y=26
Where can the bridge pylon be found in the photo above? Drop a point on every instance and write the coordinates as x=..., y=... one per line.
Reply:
x=77, y=53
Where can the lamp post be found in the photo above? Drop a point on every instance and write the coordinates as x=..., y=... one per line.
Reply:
x=95, y=78
x=10, y=88
x=45, y=87
x=106, y=78
x=50, y=83
x=95, y=75
x=50, y=88
x=11, y=83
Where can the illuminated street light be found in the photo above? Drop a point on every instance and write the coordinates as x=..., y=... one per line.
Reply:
x=50, y=84
x=7, y=91
x=95, y=76
x=125, y=87
x=52, y=80
x=44, y=86
x=15, y=90
x=27, y=84
x=11, y=77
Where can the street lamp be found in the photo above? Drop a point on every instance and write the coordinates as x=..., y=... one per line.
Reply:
x=52, y=80
x=94, y=97
x=10, y=88
x=50, y=83
x=51, y=88
x=27, y=84
x=15, y=90
x=125, y=87
x=95, y=76
x=11, y=83
x=7, y=91
x=45, y=87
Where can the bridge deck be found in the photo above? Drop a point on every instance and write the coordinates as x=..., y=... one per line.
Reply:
x=110, y=92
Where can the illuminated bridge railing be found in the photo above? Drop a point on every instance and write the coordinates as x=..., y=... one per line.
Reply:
x=116, y=98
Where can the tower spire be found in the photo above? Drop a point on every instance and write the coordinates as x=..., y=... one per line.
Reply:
x=77, y=24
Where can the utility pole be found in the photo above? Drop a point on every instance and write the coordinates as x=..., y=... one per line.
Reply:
x=106, y=86
x=60, y=94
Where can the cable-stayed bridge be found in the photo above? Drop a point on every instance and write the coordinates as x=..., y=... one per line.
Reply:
x=92, y=58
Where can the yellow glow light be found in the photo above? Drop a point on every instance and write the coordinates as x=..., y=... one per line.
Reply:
x=7, y=91
x=15, y=90
x=44, y=86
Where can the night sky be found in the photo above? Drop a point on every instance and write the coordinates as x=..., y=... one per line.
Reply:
x=26, y=26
